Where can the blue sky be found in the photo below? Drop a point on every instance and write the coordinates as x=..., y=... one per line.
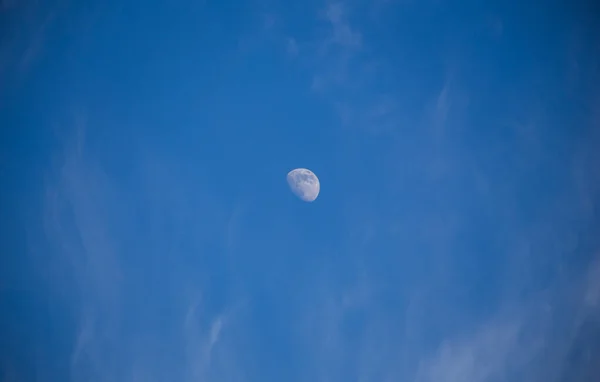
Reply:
x=148, y=233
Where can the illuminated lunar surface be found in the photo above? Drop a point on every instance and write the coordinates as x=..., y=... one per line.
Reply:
x=304, y=184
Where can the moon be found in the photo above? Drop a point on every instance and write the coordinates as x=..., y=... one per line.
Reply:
x=304, y=184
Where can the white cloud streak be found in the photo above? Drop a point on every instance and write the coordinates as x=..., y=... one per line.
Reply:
x=341, y=32
x=110, y=277
x=344, y=73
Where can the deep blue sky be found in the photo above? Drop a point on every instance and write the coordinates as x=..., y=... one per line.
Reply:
x=148, y=234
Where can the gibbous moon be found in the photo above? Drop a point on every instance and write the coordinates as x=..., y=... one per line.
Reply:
x=304, y=184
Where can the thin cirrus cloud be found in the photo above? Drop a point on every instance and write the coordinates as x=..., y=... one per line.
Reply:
x=110, y=276
x=344, y=73
x=535, y=341
x=545, y=338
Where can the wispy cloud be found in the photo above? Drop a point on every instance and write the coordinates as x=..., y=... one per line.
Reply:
x=24, y=42
x=480, y=358
x=522, y=341
x=345, y=73
x=292, y=48
x=35, y=47
x=341, y=33
x=336, y=52
x=200, y=343
x=113, y=270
